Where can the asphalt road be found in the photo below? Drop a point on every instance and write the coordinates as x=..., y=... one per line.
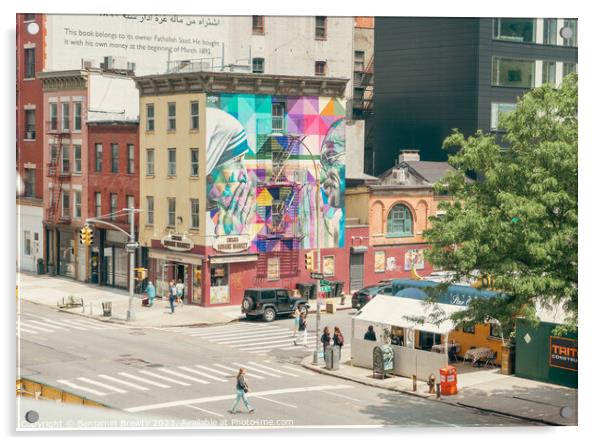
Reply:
x=185, y=376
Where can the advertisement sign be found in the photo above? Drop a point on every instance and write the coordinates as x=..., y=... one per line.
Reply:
x=328, y=266
x=177, y=242
x=414, y=257
x=379, y=261
x=273, y=268
x=231, y=243
x=563, y=353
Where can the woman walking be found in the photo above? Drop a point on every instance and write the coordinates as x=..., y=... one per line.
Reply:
x=241, y=392
x=180, y=292
x=325, y=339
x=296, y=315
x=302, y=329
x=338, y=339
x=172, y=295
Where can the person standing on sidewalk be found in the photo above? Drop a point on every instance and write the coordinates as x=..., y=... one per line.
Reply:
x=338, y=340
x=180, y=292
x=296, y=316
x=302, y=329
x=151, y=292
x=241, y=392
x=325, y=339
x=172, y=295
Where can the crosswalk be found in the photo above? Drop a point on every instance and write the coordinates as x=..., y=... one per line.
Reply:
x=249, y=337
x=178, y=376
x=37, y=324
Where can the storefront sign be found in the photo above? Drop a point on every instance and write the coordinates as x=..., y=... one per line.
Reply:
x=183, y=258
x=563, y=353
x=177, y=242
x=233, y=259
x=231, y=243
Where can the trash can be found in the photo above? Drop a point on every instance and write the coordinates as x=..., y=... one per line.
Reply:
x=330, y=306
x=332, y=358
x=106, y=309
x=449, y=379
x=40, y=266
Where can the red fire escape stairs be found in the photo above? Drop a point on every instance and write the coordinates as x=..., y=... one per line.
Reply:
x=54, y=171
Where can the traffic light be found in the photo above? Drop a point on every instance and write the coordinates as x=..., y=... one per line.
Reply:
x=90, y=236
x=86, y=236
x=309, y=261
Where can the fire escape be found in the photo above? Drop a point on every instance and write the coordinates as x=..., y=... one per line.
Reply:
x=363, y=109
x=58, y=170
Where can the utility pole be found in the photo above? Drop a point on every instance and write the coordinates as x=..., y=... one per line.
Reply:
x=318, y=281
x=131, y=249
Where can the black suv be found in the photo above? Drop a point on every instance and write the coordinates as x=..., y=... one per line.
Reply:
x=270, y=302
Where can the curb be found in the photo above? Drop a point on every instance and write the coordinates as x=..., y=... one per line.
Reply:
x=318, y=369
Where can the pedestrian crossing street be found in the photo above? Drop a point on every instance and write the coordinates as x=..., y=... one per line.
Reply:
x=178, y=376
x=37, y=324
x=250, y=337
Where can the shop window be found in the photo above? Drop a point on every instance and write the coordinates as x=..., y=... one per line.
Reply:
x=397, y=336
x=399, y=221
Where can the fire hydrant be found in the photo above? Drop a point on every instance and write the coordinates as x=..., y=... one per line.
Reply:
x=431, y=384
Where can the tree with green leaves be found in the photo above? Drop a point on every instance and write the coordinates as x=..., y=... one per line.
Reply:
x=516, y=223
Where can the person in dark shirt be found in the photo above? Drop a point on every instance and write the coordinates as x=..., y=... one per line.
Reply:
x=370, y=334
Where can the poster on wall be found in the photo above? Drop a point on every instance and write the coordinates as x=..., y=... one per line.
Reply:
x=379, y=261
x=563, y=353
x=328, y=266
x=414, y=257
x=262, y=176
x=391, y=263
x=274, y=268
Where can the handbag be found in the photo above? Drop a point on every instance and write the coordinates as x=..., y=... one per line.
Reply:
x=245, y=389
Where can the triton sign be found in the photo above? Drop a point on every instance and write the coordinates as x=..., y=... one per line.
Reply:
x=563, y=353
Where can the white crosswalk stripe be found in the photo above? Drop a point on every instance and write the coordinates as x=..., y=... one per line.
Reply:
x=83, y=388
x=204, y=374
x=162, y=377
x=144, y=380
x=254, y=369
x=183, y=376
x=235, y=370
x=102, y=385
x=37, y=324
x=273, y=369
x=122, y=382
x=46, y=325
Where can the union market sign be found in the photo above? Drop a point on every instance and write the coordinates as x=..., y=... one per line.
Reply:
x=177, y=242
x=231, y=243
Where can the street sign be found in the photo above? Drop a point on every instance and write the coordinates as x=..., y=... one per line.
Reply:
x=131, y=246
x=316, y=275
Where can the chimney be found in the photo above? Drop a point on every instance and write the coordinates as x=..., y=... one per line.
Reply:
x=408, y=156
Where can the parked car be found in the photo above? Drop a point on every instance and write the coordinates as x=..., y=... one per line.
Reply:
x=364, y=295
x=268, y=303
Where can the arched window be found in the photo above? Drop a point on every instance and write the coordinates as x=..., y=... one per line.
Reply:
x=399, y=221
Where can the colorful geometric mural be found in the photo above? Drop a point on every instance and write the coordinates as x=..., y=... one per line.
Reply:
x=265, y=157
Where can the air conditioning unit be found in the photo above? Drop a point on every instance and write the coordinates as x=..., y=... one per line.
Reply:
x=30, y=134
x=87, y=64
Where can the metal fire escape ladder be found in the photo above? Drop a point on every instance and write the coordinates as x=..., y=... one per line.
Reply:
x=54, y=172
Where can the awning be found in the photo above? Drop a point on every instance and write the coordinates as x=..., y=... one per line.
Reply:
x=225, y=259
x=359, y=249
x=176, y=257
x=393, y=311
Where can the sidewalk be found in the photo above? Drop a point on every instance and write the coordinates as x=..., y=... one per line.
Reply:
x=484, y=389
x=47, y=290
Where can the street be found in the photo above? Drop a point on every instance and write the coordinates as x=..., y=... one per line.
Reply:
x=188, y=373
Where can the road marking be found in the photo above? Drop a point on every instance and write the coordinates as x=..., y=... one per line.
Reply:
x=121, y=382
x=62, y=323
x=194, y=371
x=226, y=330
x=102, y=385
x=275, y=401
x=91, y=324
x=204, y=410
x=20, y=329
x=83, y=388
x=341, y=395
x=214, y=370
x=236, y=371
x=252, y=368
x=141, y=379
x=238, y=338
x=184, y=376
x=297, y=347
x=34, y=327
x=137, y=409
x=445, y=423
x=302, y=371
x=235, y=334
x=286, y=340
x=47, y=324
x=274, y=369
x=167, y=379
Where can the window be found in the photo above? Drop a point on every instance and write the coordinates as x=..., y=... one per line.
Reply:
x=194, y=213
x=27, y=242
x=65, y=117
x=514, y=30
x=571, y=40
x=150, y=162
x=321, y=28
x=513, y=73
x=114, y=158
x=258, y=67
x=277, y=116
x=113, y=208
x=131, y=163
x=171, y=116
x=320, y=69
x=258, y=24
x=495, y=330
x=358, y=64
x=77, y=116
x=65, y=159
x=467, y=329
x=568, y=68
x=30, y=63
x=194, y=162
x=277, y=214
x=550, y=31
x=66, y=205
x=548, y=74
x=77, y=159
x=98, y=158
x=171, y=212
x=150, y=117
x=129, y=199
x=399, y=221
x=77, y=204
x=498, y=110
x=150, y=210
x=171, y=162
x=194, y=115
x=53, y=116
x=53, y=153
x=29, y=17
x=98, y=204
x=30, y=182
x=30, y=124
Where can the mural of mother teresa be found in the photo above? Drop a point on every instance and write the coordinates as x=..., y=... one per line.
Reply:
x=230, y=188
